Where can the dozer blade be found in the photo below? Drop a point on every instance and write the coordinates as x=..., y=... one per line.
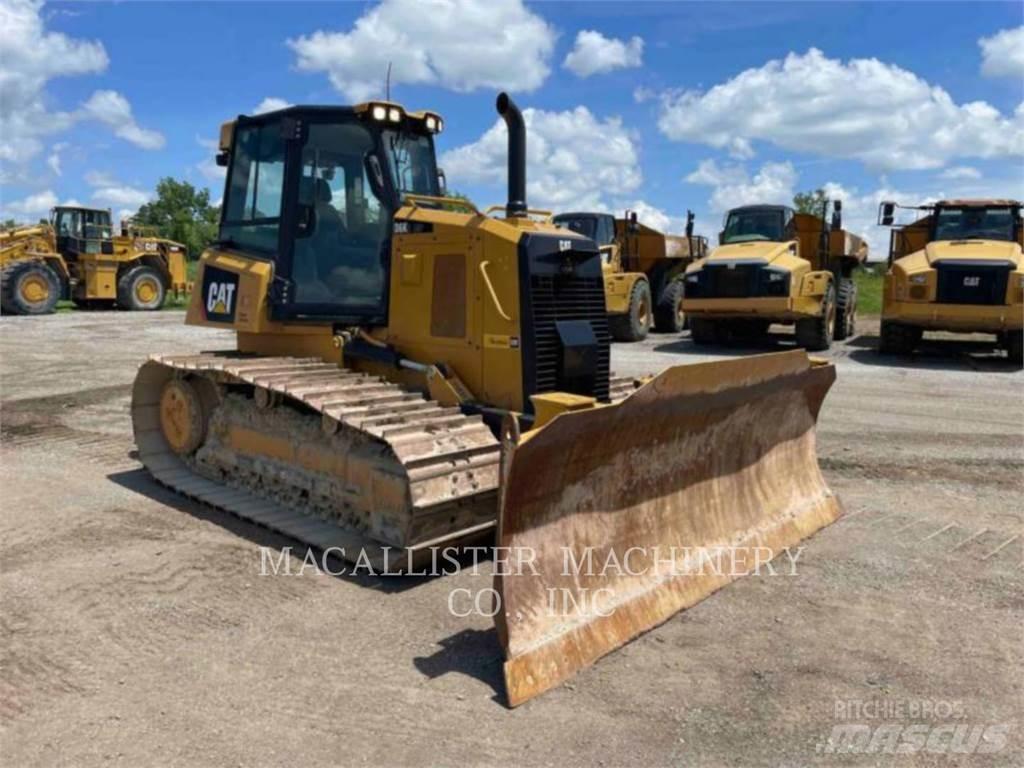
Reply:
x=616, y=517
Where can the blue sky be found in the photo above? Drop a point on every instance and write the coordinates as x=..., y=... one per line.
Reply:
x=666, y=106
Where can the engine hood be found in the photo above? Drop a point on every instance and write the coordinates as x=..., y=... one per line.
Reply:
x=757, y=250
x=973, y=250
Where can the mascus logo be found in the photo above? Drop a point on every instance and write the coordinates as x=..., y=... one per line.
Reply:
x=220, y=291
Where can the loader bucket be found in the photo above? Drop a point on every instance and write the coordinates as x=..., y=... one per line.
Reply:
x=616, y=517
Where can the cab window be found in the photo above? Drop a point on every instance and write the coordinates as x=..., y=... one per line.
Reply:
x=342, y=224
x=253, y=206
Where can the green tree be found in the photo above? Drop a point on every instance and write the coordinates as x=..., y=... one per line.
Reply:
x=181, y=213
x=810, y=202
x=9, y=224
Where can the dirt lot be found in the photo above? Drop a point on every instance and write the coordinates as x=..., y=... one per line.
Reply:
x=136, y=627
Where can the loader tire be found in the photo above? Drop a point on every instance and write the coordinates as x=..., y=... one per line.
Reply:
x=704, y=331
x=668, y=313
x=846, y=310
x=29, y=288
x=633, y=325
x=815, y=333
x=141, y=289
x=1014, y=341
x=897, y=338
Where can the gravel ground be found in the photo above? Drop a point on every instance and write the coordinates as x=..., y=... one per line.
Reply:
x=136, y=627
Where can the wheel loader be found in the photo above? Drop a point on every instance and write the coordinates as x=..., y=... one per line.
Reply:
x=639, y=264
x=775, y=265
x=76, y=256
x=957, y=268
x=412, y=375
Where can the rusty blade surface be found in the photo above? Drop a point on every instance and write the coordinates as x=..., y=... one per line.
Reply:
x=618, y=517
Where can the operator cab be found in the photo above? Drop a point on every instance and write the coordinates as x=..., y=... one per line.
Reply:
x=82, y=230
x=599, y=227
x=758, y=223
x=314, y=190
x=959, y=221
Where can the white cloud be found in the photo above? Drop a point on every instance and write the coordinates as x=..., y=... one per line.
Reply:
x=574, y=160
x=457, y=44
x=961, y=172
x=53, y=159
x=120, y=195
x=31, y=56
x=1002, y=55
x=112, y=108
x=208, y=167
x=642, y=94
x=863, y=109
x=270, y=104
x=100, y=179
x=31, y=208
x=594, y=54
x=108, y=192
x=732, y=185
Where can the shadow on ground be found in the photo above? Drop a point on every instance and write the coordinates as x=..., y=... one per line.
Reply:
x=140, y=481
x=472, y=652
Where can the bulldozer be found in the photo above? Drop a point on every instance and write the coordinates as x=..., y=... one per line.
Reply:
x=956, y=268
x=76, y=256
x=412, y=375
x=639, y=263
x=776, y=265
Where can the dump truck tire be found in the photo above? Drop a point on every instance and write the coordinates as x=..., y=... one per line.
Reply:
x=141, y=289
x=846, y=310
x=668, y=314
x=897, y=338
x=29, y=288
x=815, y=333
x=704, y=331
x=1014, y=341
x=633, y=325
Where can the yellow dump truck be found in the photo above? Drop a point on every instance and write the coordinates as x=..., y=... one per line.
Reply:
x=957, y=268
x=77, y=256
x=643, y=270
x=775, y=265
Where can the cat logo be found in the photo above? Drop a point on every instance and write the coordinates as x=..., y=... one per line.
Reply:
x=220, y=290
x=972, y=281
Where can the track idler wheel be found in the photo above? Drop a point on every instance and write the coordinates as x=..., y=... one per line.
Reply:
x=184, y=416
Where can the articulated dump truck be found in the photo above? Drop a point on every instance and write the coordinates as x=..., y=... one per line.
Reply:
x=77, y=256
x=775, y=265
x=958, y=268
x=643, y=271
x=410, y=377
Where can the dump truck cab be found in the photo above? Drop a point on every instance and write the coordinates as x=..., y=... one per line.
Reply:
x=642, y=270
x=776, y=265
x=957, y=268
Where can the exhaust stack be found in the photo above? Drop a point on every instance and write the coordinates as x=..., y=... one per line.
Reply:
x=516, y=205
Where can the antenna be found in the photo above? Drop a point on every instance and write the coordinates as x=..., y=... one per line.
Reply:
x=387, y=84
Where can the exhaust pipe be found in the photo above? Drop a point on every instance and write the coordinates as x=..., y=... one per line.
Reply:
x=516, y=205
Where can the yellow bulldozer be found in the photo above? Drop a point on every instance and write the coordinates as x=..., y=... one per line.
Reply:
x=412, y=375
x=77, y=256
x=639, y=264
x=958, y=268
x=775, y=265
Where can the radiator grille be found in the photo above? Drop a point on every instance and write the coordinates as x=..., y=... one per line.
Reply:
x=972, y=282
x=567, y=297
